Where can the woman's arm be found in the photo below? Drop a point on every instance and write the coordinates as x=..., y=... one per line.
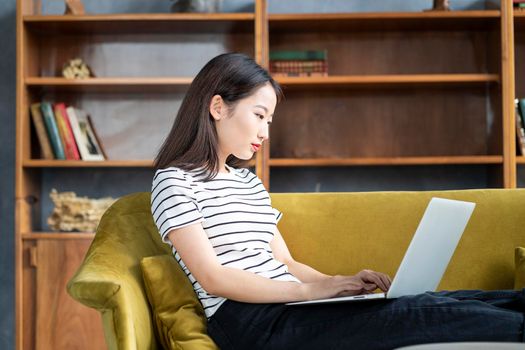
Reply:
x=196, y=251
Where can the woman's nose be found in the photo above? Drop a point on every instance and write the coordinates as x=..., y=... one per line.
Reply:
x=264, y=132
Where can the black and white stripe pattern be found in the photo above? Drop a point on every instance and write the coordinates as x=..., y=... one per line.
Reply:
x=236, y=214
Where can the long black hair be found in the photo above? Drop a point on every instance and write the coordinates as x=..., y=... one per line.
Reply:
x=192, y=142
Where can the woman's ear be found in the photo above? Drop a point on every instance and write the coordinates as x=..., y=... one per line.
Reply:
x=217, y=107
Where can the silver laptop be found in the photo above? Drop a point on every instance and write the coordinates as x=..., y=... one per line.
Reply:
x=427, y=256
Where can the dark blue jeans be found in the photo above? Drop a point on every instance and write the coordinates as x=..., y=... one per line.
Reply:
x=375, y=324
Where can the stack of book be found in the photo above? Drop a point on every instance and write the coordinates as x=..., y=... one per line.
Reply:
x=298, y=63
x=520, y=125
x=65, y=132
x=520, y=4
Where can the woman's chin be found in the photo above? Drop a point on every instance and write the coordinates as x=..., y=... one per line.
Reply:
x=245, y=156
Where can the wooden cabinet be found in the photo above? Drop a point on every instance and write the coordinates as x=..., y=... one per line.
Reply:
x=429, y=88
x=62, y=322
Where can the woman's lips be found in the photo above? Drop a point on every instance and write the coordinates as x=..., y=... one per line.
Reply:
x=255, y=147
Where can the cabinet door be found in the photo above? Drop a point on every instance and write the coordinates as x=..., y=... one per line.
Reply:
x=61, y=321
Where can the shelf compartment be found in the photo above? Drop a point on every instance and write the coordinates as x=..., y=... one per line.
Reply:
x=443, y=160
x=520, y=159
x=391, y=80
x=140, y=23
x=57, y=235
x=434, y=20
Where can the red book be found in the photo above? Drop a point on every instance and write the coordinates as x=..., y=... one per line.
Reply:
x=66, y=132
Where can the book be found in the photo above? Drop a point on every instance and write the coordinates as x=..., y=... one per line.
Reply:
x=70, y=146
x=38, y=121
x=294, y=66
x=300, y=75
x=52, y=130
x=521, y=108
x=299, y=55
x=88, y=145
x=93, y=131
x=520, y=130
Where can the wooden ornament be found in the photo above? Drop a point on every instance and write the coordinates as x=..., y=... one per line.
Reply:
x=74, y=7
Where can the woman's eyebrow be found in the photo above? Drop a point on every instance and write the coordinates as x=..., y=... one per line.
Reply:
x=260, y=106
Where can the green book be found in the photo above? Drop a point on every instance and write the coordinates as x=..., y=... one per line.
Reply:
x=298, y=55
x=52, y=130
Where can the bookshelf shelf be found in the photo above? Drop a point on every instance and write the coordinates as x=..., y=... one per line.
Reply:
x=392, y=80
x=37, y=163
x=520, y=159
x=445, y=20
x=287, y=162
x=113, y=84
x=139, y=23
x=28, y=236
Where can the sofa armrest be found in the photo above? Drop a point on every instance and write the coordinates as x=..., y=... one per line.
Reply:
x=109, y=280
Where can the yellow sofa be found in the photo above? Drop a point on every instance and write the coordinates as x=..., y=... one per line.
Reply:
x=337, y=233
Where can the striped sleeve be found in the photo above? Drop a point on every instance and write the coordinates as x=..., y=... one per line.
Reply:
x=277, y=213
x=173, y=202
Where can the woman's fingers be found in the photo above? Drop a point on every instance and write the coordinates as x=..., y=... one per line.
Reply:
x=381, y=280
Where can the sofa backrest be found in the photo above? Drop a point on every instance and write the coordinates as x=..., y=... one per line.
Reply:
x=343, y=233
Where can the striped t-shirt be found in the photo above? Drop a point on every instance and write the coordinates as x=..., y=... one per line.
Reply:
x=235, y=211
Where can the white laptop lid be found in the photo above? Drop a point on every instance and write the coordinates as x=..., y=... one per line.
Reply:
x=432, y=247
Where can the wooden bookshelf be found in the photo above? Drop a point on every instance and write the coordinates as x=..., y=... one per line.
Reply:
x=404, y=89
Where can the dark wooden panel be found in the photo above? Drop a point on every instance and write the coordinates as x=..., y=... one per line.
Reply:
x=431, y=52
x=62, y=322
x=520, y=62
x=381, y=123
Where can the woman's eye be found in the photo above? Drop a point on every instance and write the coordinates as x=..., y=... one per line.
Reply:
x=260, y=116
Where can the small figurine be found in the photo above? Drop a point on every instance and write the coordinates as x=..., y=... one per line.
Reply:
x=76, y=69
x=196, y=6
x=74, y=7
x=440, y=5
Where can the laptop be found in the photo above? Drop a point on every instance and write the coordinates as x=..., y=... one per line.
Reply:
x=428, y=254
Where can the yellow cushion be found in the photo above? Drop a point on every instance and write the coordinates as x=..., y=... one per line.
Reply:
x=179, y=318
x=519, y=256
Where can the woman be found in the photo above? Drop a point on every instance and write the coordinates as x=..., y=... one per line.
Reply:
x=221, y=226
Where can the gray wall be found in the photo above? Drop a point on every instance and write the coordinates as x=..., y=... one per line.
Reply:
x=109, y=182
x=7, y=161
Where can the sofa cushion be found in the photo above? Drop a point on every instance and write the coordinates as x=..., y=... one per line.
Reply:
x=179, y=318
x=519, y=256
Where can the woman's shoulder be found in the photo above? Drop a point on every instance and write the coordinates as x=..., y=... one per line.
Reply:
x=243, y=174
x=170, y=172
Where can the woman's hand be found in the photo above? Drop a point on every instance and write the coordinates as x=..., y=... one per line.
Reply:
x=365, y=282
